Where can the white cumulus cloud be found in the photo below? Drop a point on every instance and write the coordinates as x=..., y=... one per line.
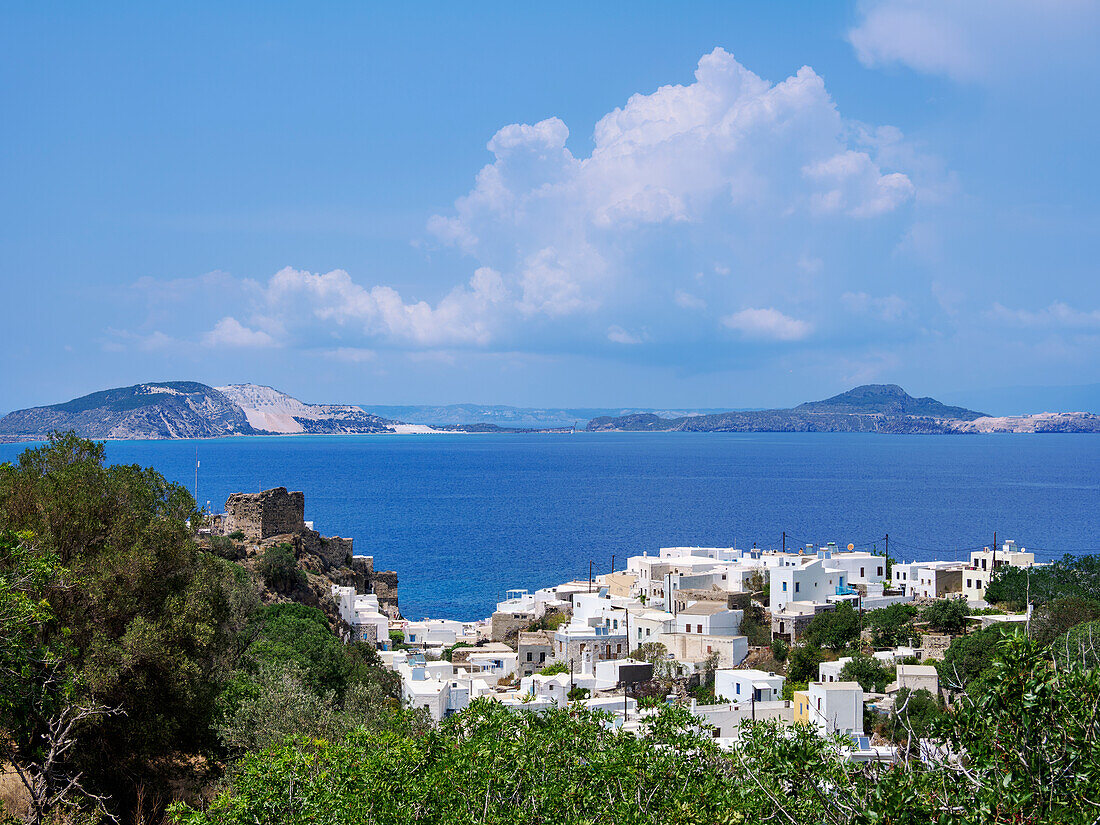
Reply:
x=724, y=149
x=977, y=40
x=767, y=325
x=229, y=332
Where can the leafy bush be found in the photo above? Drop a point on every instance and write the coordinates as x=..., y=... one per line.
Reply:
x=1072, y=576
x=834, y=629
x=803, y=661
x=576, y=694
x=946, y=615
x=892, y=626
x=225, y=547
x=1053, y=619
x=914, y=716
x=237, y=535
x=554, y=668
x=280, y=570
x=780, y=649
x=872, y=676
x=970, y=657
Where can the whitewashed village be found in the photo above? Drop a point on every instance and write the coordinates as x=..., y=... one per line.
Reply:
x=705, y=627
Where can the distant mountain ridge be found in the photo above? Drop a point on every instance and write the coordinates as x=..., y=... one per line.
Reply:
x=877, y=408
x=886, y=399
x=189, y=409
x=503, y=415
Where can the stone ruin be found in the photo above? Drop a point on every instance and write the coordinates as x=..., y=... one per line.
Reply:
x=275, y=516
x=263, y=515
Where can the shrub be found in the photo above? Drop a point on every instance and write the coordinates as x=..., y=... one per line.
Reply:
x=946, y=615
x=780, y=649
x=554, y=669
x=280, y=570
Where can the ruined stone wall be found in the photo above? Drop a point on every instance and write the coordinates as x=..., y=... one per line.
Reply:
x=384, y=586
x=263, y=515
x=506, y=626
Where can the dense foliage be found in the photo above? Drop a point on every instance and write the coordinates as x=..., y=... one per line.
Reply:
x=892, y=626
x=946, y=615
x=140, y=620
x=1032, y=755
x=1015, y=587
x=834, y=629
x=871, y=674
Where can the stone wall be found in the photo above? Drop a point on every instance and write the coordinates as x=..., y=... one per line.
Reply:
x=384, y=586
x=263, y=515
x=536, y=651
x=506, y=626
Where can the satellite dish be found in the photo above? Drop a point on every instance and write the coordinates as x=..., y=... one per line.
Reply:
x=851, y=546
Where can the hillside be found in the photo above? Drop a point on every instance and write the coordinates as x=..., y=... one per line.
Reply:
x=270, y=410
x=886, y=399
x=166, y=409
x=875, y=408
x=186, y=409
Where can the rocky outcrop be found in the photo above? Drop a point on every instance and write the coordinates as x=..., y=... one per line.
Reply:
x=277, y=516
x=167, y=409
x=273, y=411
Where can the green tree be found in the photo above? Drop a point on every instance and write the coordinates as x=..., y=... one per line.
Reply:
x=891, y=626
x=946, y=615
x=872, y=676
x=280, y=570
x=554, y=668
x=780, y=650
x=914, y=716
x=803, y=661
x=834, y=629
x=970, y=658
x=143, y=621
x=1053, y=619
x=1071, y=576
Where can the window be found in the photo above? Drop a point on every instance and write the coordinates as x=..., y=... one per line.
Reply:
x=738, y=688
x=880, y=571
x=687, y=628
x=542, y=657
x=784, y=587
x=709, y=650
x=796, y=587
x=698, y=628
x=618, y=648
x=528, y=655
x=968, y=584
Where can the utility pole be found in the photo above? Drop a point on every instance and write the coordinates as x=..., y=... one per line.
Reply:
x=612, y=562
x=887, y=557
x=784, y=541
x=993, y=566
x=589, y=575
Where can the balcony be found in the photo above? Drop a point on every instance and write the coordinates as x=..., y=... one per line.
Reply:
x=845, y=590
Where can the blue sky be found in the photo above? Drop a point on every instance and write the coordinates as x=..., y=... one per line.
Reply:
x=707, y=204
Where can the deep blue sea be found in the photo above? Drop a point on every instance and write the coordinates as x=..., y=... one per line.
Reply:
x=462, y=518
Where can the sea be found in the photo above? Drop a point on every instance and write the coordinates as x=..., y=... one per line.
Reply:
x=463, y=518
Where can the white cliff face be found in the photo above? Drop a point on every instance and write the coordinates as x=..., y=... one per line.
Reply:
x=273, y=411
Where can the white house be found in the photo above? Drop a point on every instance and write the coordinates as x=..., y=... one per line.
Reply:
x=747, y=685
x=708, y=619
x=831, y=707
x=810, y=581
x=361, y=613
x=433, y=633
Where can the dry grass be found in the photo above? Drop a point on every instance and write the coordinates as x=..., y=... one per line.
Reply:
x=14, y=799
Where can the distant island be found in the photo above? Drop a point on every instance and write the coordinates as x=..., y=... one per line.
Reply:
x=874, y=408
x=189, y=409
